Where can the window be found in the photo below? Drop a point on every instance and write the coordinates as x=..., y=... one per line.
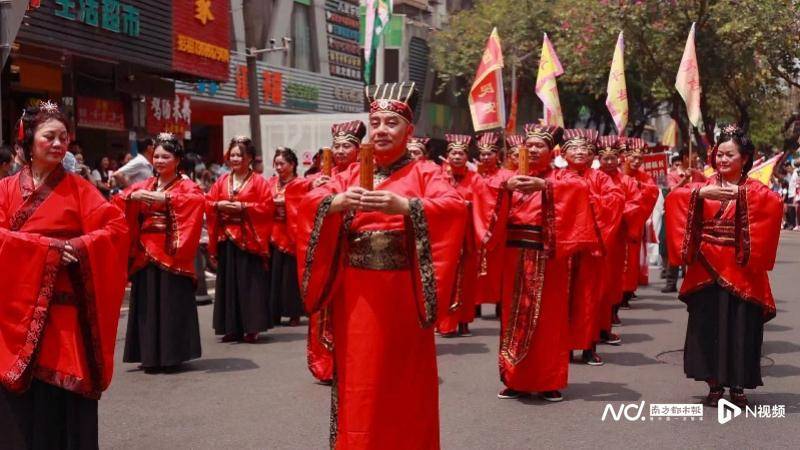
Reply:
x=302, y=47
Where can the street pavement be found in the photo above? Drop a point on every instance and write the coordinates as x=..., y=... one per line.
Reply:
x=261, y=396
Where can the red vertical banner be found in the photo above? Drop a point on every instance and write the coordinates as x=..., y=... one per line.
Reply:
x=486, y=98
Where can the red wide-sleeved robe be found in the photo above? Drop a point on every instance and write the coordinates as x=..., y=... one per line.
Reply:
x=632, y=222
x=393, y=271
x=249, y=230
x=59, y=324
x=633, y=273
x=490, y=279
x=587, y=269
x=732, y=244
x=319, y=346
x=169, y=232
x=480, y=206
x=544, y=230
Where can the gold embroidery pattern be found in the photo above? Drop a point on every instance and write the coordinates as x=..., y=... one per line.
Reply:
x=422, y=244
x=526, y=306
x=334, y=425
x=313, y=241
x=742, y=228
x=382, y=174
x=378, y=250
x=691, y=236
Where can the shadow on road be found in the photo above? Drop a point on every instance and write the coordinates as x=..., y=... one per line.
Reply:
x=220, y=365
x=466, y=348
x=779, y=347
x=657, y=306
x=635, y=338
x=627, y=358
x=781, y=371
x=281, y=337
x=600, y=391
x=634, y=321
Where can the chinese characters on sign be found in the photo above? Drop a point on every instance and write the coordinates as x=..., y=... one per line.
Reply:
x=101, y=114
x=343, y=32
x=170, y=115
x=655, y=164
x=111, y=15
x=201, y=38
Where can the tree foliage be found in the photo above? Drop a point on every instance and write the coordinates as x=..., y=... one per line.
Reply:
x=748, y=52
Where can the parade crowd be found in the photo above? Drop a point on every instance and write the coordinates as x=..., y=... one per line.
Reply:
x=382, y=248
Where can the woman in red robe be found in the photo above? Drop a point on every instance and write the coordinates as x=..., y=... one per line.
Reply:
x=239, y=213
x=635, y=271
x=347, y=138
x=392, y=251
x=587, y=268
x=455, y=319
x=489, y=284
x=549, y=220
x=634, y=216
x=284, y=291
x=62, y=265
x=726, y=231
x=165, y=217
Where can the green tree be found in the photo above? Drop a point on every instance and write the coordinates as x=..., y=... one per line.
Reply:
x=748, y=52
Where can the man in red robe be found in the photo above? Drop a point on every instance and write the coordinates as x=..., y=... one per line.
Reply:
x=634, y=215
x=392, y=251
x=454, y=320
x=549, y=220
x=635, y=270
x=587, y=268
x=418, y=148
x=489, y=285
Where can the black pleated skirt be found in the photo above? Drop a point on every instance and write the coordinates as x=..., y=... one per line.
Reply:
x=723, y=339
x=46, y=417
x=284, y=289
x=162, y=321
x=242, y=292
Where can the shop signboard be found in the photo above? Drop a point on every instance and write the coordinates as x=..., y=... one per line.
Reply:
x=132, y=31
x=201, y=38
x=171, y=115
x=100, y=113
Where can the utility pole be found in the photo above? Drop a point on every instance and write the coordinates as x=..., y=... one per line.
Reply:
x=252, y=85
x=11, y=15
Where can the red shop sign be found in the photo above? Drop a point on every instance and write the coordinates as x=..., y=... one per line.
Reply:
x=173, y=115
x=201, y=38
x=101, y=114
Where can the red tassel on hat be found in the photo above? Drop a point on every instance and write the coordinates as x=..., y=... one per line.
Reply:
x=20, y=131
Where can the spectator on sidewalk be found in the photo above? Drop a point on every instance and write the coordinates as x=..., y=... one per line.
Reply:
x=139, y=168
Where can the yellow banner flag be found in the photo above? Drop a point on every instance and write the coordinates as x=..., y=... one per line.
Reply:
x=763, y=172
x=617, y=91
x=546, y=87
x=687, y=82
x=670, y=136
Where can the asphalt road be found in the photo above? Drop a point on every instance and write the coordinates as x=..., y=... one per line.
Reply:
x=261, y=396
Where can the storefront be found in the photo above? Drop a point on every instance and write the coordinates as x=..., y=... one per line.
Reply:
x=108, y=63
x=281, y=90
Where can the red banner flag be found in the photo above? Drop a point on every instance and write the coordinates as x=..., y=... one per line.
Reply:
x=486, y=98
